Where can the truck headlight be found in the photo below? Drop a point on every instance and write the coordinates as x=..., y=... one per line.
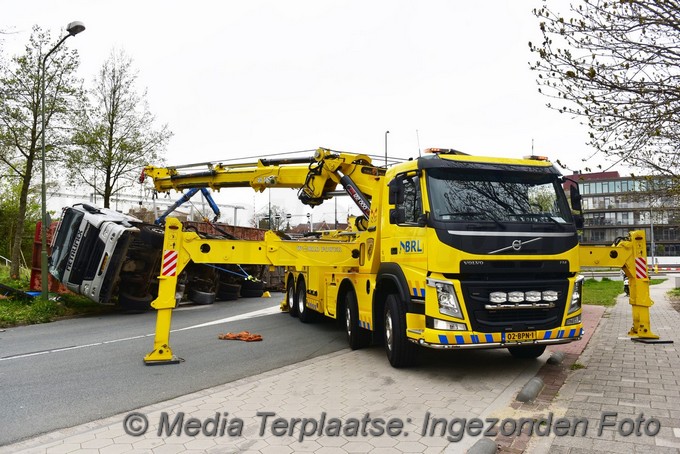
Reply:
x=446, y=298
x=575, y=301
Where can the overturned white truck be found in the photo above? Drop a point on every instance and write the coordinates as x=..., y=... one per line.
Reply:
x=111, y=257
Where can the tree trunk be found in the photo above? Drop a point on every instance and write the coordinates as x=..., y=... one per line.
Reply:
x=21, y=217
x=107, y=191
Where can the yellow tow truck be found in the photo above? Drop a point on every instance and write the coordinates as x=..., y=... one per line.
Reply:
x=451, y=251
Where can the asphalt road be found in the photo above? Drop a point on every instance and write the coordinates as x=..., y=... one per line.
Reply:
x=74, y=371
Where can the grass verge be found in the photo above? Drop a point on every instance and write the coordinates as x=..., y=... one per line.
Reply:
x=27, y=311
x=604, y=292
x=15, y=312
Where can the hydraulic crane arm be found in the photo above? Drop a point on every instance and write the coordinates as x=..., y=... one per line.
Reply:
x=315, y=177
x=185, y=197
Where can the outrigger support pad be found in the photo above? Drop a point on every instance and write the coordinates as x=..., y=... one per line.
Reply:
x=651, y=341
x=162, y=353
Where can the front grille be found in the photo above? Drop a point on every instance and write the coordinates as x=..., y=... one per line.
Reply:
x=485, y=320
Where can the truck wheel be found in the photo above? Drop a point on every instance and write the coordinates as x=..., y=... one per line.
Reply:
x=400, y=351
x=290, y=298
x=152, y=235
x=201, y=298
x=133, y=303
x=527, y=351
x=357, y=337
x=304, y=313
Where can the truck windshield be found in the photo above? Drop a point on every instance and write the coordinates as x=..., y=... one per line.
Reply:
x=495, y=196
x=61, y=245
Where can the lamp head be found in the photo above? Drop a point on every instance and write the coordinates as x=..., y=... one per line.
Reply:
x=75, y=27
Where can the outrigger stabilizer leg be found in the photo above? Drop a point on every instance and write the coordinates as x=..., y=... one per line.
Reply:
x=171, y=266
x=630, y=254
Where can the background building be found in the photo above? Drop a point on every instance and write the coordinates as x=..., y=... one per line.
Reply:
x=614, y=205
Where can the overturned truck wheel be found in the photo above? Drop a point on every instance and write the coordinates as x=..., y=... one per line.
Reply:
x=152, y=235
x=228, y=292
x=252, y=289
x=133, y=303
x=201, y=298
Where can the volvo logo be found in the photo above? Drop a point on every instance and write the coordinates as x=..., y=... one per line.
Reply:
x=516, y=245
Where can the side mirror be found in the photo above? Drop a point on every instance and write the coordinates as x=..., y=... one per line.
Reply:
x=575, y=196
x=396, y=191
x=575, y=201
x=578, y=221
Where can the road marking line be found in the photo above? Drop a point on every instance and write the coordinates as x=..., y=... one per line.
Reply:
x=254, y=314
x=260, y=313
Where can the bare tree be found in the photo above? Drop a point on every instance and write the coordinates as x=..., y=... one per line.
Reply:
x=20, y=116
x=116, y=137
x=616, y=64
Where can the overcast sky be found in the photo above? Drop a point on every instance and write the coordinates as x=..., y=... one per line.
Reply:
x=253, y=77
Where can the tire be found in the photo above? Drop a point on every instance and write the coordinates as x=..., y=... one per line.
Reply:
x=152, y=235
x=357, y=337
x=133, y=285
x=527, y=351
x=201, y=298
x=228, y=292
x=304, y=313
x=400, y=351
x=252, y=289
x=291, y=299
x=133, y=303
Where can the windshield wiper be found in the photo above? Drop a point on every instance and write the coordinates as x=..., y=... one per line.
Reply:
x=494, y=219
x=486, y=215
x=547, y=216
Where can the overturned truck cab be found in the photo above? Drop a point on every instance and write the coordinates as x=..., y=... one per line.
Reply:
x=107, y=256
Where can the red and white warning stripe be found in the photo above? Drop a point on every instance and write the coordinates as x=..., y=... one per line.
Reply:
x=641, y=268
x=169, y=267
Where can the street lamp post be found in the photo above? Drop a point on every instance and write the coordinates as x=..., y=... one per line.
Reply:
x=386, y=132
x=73, y=29
x=651, y=235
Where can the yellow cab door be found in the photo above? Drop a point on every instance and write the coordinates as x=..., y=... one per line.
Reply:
x=404, y=242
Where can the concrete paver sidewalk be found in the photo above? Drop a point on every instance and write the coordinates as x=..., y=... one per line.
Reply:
x=553, y=376
x=627, y=380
